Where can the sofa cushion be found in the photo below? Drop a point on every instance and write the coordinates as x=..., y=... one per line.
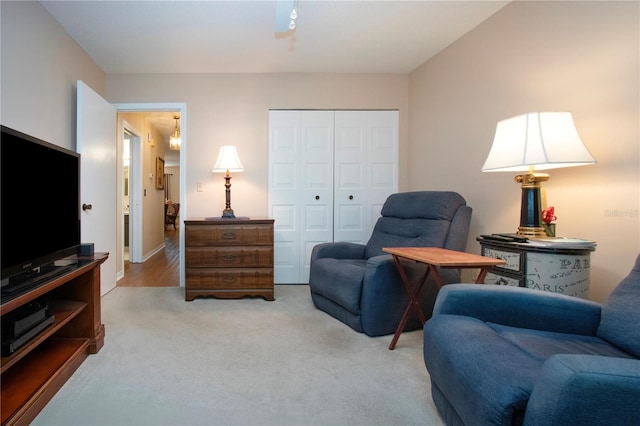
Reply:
x=486, y=378
x=339, y=280
x=394, y=232
x=487, y=371
x=423, y=205
x=544, y=344
x=414, y=219
x=621, y=314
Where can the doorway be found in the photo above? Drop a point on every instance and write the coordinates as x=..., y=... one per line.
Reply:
x=146, y=146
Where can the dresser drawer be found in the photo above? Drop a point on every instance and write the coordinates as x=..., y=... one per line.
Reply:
x=504, y=278
x=514, y=258
x=222, y=278
x=229, y=257
x=211, y=235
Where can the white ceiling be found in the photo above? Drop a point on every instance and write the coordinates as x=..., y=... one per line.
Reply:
x=332, y=36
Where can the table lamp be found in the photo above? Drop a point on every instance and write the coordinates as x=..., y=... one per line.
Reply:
x=228, y=161
x=535, y=141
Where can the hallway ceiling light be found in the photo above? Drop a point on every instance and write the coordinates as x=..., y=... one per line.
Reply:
x=174, y=141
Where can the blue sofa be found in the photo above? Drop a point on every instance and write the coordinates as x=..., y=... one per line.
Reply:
x=360, y=285
x=509, y=356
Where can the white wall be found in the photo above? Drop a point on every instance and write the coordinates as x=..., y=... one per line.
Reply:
x=539, y=56
x=40, y=66
x=233, y=109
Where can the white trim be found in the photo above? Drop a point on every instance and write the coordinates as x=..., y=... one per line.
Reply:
x=135, y=195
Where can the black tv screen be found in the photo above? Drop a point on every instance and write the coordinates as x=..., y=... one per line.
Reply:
x=40, y=196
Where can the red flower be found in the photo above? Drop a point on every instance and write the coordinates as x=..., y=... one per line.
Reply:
x=548, y=216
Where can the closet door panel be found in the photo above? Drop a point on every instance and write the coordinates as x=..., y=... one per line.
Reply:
x=317, y=174
x=366, y=167
x=284, y=186
x=382, y=155
x=350, y=176
x=300, y=188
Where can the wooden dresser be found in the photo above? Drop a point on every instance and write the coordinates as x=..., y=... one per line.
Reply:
x=228, y=258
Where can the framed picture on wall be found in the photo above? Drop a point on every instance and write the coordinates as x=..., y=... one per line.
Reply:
x=159, y=173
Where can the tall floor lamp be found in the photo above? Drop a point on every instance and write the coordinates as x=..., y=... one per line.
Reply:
x=530, y=142
x=228, y=161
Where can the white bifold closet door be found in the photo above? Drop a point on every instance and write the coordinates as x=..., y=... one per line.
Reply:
x=329, y=174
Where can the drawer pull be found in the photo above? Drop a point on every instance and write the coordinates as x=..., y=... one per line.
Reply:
x=229, y=258
x=229, y=236
x=228, y=279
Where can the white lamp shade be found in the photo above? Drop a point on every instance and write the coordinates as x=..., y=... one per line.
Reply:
x=227, y=160
x=542, y=140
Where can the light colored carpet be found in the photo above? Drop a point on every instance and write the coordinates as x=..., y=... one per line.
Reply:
x=240, y=362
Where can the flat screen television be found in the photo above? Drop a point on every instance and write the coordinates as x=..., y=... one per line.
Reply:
x=40, y=205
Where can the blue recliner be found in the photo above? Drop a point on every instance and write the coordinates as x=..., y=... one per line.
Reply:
x=360, y=285
x=509, y=356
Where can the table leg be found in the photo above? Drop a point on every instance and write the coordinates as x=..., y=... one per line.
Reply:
x=413, y=298
x=482, y=275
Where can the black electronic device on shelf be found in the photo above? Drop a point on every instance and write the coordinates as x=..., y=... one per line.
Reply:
x=21, y=325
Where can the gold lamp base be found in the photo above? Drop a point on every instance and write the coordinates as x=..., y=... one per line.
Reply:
x=531, y=232
x=531, y=205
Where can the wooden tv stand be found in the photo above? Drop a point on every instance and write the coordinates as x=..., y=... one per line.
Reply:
x=33, y=374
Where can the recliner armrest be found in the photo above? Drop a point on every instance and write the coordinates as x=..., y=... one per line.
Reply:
x=585, y=390
x=338, y=250
x=520, y=307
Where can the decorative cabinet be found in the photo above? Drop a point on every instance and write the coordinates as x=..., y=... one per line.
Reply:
x=552, y=268
x=229, y=258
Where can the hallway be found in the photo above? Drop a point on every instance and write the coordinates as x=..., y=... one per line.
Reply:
x=161, y=270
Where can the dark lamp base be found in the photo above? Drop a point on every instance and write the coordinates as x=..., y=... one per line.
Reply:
x=228, y=214
x=531, y=205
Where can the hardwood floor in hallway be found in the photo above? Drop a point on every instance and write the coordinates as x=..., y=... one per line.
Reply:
x=161, y=270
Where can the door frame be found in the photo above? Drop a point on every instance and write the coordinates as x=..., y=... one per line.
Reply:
x=181, y=107
x=135, y=196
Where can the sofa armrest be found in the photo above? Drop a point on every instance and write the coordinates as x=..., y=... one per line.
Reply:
x=339, y=250
x=585, y=390
x=520, y=307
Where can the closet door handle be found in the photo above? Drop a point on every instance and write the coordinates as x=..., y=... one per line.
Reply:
x=317, y=197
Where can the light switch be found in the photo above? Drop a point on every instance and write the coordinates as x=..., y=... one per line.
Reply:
x=199, y=187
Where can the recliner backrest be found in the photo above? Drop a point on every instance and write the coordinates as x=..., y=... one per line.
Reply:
x=420, y=219
x=620, y=317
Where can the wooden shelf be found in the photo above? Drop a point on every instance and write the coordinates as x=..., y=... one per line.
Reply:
x=64, y=311
x=33, y=374
x=46, y=367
